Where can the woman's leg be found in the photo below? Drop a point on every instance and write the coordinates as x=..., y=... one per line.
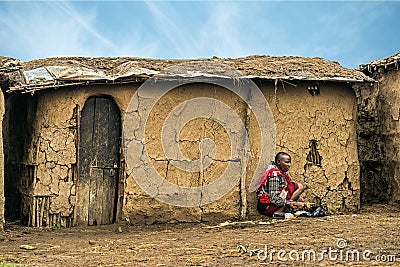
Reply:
x=298, y=192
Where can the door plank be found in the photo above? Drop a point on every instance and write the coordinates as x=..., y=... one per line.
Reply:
x=86, y=139
x=101, y=153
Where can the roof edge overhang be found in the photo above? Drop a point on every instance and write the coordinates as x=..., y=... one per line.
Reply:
x=54, y=84
x=386, y=63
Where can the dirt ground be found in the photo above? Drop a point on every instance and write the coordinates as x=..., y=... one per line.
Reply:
x=368, y=238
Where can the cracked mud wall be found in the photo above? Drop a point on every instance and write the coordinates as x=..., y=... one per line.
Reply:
x=319, y=132
x=389, y=102
x=2, y=199
x=308, y=127
x=48, y=181
x=191, y=135
x=373, y=172
x=379, y=135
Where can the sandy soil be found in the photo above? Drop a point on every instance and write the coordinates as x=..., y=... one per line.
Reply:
x=373, y=235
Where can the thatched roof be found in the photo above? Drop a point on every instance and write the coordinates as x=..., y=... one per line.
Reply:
x=4, y=60
x=63, y=71
x=379, y=64
x=7, y=63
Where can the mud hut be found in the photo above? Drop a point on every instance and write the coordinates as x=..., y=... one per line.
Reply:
x=3, y=85
x=2, y=200
x=1, y=167
x=379, y=132
x=63, y=140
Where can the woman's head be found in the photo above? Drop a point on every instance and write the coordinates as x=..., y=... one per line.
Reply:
x=283, y=161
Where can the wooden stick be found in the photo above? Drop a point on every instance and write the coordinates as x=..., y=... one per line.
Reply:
x=29, y=210
x=228, y=223
x=246, y=148
x=33, y=210
x=38, y=204
x=77, y=176
x=48, y=212
x=42, y=211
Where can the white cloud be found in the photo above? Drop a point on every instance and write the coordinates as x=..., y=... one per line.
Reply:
x=41, y=30
x=213, y=31
x=31, y=30
x=175, y=37
x=221, y=34
x=85, y=25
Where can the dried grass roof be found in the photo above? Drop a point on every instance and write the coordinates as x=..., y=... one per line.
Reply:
x=61, y=71
x=385, y=63
x=4, y=60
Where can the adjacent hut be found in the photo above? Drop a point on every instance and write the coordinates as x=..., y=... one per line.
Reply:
x=2, y=199
x=63, y=141
x=379, y=132
x=3, y=85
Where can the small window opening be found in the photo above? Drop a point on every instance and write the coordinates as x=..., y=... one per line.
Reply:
x=313, y=89
x=314, y=157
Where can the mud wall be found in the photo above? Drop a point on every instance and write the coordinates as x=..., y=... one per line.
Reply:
x=316, y=125
x=373, y=172
x=317, y=128
x=48, y=182
x=379, y=136
x=2, y=199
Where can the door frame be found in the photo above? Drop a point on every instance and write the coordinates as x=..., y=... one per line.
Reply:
x=119, y=187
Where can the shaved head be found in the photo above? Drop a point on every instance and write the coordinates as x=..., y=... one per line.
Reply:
x=280, y=155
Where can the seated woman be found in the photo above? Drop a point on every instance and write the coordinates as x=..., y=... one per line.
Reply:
x=276, y=191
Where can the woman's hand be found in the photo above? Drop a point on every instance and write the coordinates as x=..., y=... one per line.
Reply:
x=300, y=205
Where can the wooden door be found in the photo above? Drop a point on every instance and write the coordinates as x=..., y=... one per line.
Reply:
x=100, y=128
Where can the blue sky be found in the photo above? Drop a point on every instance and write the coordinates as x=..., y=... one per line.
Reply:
x=350, y=32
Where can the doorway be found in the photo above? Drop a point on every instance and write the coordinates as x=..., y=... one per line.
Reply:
x=98, y=161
